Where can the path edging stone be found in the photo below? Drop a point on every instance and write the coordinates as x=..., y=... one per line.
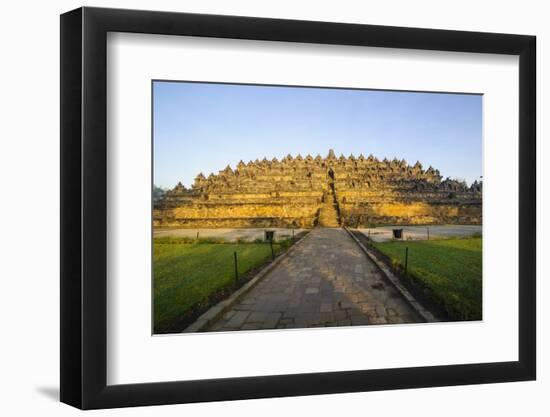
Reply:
x=213, y=313
x=420, y=310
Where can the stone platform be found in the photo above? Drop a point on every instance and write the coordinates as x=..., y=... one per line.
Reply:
x=229, y=234
x=384, y=233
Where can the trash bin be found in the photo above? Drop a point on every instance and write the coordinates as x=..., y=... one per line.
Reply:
x=269, y=235
x=397, y=233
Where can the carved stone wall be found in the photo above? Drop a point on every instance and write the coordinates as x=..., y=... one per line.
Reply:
x=306, y=191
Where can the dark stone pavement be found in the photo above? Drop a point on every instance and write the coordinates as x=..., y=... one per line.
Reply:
x=325, y=281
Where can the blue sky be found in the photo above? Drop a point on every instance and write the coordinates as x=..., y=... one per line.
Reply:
x=201, y=127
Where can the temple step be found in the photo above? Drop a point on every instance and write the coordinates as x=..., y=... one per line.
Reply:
x=328, y=216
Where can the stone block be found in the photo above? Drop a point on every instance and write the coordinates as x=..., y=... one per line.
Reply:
x=326, y=308
x=237, y=320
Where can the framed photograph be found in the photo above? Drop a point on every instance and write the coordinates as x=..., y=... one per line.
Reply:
x=257, y=208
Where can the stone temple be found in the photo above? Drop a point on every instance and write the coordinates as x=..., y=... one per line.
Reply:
x=330, y=192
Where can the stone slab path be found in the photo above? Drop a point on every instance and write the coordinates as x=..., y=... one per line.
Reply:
x=325, y=281
x=383, y=234
x=229, y=235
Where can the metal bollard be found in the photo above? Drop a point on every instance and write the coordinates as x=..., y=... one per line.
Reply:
x=236, y=268
x=406, y=258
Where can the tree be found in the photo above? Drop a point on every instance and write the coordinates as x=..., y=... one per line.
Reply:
x=158, y=193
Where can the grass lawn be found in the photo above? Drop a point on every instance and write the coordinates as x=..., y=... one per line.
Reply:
x=448, y=271
x=190, y=277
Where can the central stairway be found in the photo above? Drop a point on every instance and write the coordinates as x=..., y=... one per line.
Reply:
x=329, y=215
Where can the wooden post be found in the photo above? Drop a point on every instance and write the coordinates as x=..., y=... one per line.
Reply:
x=272, y=253
x=428, y=229
x=197, y=235
x=406, y=259
x=236, y=268
x=293, y=234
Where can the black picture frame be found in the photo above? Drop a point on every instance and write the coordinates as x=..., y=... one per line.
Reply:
x=84, y=207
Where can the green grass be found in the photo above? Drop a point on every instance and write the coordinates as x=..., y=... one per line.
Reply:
x=190, y=277
x=448, y=271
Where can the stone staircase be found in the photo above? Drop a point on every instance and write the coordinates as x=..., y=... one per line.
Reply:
x=329, y=215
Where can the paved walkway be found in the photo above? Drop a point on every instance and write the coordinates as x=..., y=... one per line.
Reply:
x=325, y=281
x=229, y=235
x=383, y=234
